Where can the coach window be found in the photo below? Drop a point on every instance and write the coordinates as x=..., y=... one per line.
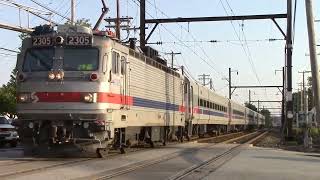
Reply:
x=123, y=65
x=115, y=62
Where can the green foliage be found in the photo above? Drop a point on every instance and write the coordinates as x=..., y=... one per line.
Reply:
x=8, y=91
x=8, y=96
x=251, y=106
x=314, y=132
x=82, y=22
x=310, y=94
x=296, y=101
x=297, y=97
x=267, y=115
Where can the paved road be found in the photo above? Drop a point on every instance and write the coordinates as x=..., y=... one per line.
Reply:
x=252, y=163
x=265, y=164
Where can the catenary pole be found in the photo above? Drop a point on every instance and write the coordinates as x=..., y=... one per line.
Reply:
x=313, y=57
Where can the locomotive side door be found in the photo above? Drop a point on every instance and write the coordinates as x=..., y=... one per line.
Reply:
x=124, y=87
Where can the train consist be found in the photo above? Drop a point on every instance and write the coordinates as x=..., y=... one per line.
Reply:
x=84, y=90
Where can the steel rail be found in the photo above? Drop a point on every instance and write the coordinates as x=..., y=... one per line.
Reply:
x=83, y=160
x=132, y=167
x=217, y=161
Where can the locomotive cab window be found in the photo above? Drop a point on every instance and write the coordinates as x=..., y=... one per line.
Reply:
x=123, y=65
x=38, y=59
x=115, y=62
x=80, y=59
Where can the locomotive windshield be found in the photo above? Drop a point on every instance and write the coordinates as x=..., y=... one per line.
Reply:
x=74, y=59
x=38, y=60
x=80, y=59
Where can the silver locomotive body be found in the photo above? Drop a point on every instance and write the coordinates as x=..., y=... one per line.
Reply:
x=62, y=86
x=85, y=90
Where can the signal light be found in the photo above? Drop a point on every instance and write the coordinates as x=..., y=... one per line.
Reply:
x=94, y=77
x=21, y=77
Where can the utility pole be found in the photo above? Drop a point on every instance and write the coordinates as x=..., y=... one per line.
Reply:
x=283, y=98
x=142, y=24
x=289, y=104
x=172, y=57
x=73, y=9
x=204, y=78
x=301, y=97
x=230, y=80
x=118, y=20
x=211, y=84
x=305, y=109
x=229, y=83
x=249, y=96
x=313, y=57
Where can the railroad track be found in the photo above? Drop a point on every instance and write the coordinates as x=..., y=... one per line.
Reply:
x=28, y=166
x=214, y=163
x=113, y=173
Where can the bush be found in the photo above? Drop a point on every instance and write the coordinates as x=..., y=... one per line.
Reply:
x=314, y=132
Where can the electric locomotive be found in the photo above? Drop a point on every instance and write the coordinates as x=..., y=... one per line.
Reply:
x=80, y=90
x=83, y=90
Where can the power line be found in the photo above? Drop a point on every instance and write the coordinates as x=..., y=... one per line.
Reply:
x=186, y=70
x=51, y=10
x=216, y=41
x=6, y=54
x=247, y=52
x=192, y=36
x=173, y=35
x=9, y=50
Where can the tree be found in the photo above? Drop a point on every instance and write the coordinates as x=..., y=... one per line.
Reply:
x=8, y=96
x=296, y=99
x=251, y=106
x=267, y=115
x=310, y=94
x=8, y=91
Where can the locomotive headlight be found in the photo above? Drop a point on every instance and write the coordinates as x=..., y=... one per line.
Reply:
x=51, y=75
x=30, y=125
x=59, y=40
x=85, y=125
x=59, y=75
x=90, y=97
x=24, y=98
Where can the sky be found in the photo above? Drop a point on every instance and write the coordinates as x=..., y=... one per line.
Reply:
x=243, y=46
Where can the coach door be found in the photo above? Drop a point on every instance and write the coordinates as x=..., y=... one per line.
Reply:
x=124, y=87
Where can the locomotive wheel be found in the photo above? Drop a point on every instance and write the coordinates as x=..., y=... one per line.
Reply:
x=122, y=151
x=151, y=144
x=102, y=152
x=164, y=143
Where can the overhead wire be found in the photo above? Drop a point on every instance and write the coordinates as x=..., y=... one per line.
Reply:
x=192, y=36
x=216, y=41
x=173, y=35
x=247, y=49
